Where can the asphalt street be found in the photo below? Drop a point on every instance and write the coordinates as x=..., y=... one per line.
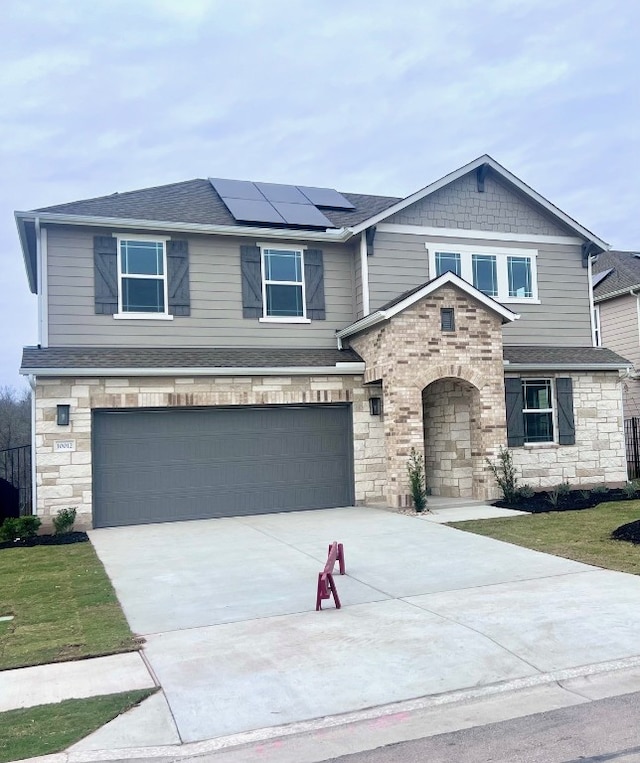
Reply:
x=595, y=732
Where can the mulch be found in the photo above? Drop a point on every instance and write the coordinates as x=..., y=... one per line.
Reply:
x=575, y=500
x=629, y=532
x=47, y=540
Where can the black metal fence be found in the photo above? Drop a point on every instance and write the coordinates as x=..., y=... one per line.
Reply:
x=632, y=438
x=15, y=480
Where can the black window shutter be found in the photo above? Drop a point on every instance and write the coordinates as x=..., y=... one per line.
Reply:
x=178, y=277
x=105, y=267
x=314, y=284
x=515, y=416
x=251, y=282
x=566, y=423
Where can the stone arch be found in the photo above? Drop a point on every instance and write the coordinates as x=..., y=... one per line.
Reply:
x=426, y=376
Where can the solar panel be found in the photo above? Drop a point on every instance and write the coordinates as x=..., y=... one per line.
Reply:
x=326, y=197
x=252, y=211
x=303, y=214
x=283, y=193
x=236, y=189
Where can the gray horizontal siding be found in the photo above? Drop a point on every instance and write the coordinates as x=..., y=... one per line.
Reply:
x=216, y=303
x=401, y=262
x=619, y=327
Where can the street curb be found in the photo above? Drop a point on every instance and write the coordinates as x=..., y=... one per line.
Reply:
x=174, y=752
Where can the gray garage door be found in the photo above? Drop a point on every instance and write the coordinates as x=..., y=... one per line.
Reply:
x=164, y=465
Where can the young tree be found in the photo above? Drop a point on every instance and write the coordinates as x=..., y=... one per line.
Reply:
x=15, y=417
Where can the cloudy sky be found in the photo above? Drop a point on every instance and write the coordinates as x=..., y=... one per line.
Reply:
x=367, y=96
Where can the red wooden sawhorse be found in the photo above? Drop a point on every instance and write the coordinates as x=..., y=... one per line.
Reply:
x=326, y=586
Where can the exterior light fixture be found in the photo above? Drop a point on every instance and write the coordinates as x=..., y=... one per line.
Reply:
x=375, y=406
x=63, y=415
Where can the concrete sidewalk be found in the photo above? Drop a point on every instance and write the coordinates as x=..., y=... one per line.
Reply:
x=57, y=681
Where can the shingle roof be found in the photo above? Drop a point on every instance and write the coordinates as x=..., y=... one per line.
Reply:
x=625, y=272
x=181, y=357
x=589, y=357
x=195, y=201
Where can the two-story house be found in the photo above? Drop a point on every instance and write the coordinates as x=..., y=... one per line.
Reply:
x=219, y=347
x=616, y=296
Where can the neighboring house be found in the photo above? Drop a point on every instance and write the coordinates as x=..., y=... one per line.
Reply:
x=616, y=296
x=216, y=347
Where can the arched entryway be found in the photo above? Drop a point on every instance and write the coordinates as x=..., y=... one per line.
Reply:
x=451, y=419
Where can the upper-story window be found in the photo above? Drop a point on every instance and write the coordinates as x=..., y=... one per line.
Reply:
x=508, y=275
x=283, y=283
x=142, y=276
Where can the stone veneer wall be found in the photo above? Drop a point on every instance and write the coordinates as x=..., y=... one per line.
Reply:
x=599, y=452
x=65, y=479
x=450, y=432
x=409, y=352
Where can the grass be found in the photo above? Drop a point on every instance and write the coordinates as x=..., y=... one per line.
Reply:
x=64, y=606
x=579, y=535
x=45, y=729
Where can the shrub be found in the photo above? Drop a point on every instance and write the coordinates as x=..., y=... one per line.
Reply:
x=564, y=488
x=631, y=489
x=63, y=521
x=17, y=528
x=417, y=481
x=585, y=495
x=504, y=472
x=524, y=492
x=553, y=496
x=600, y=490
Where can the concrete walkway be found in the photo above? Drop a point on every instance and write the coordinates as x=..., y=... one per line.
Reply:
x=227, y=609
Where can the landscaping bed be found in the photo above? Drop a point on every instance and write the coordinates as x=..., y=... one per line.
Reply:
x=559, y=500
x=46, y=540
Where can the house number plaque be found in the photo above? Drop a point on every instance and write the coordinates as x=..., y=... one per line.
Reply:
x=60, y=446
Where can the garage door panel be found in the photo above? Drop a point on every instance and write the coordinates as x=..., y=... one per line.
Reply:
x=162, y=465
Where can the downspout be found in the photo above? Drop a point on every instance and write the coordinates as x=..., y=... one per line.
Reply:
x=364, y=275
x=34, y=482
x=39, y=280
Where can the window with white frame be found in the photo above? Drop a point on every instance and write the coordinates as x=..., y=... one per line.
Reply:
x=283, y=283
x=508, y=275
x=142, y=276
x=537, y=395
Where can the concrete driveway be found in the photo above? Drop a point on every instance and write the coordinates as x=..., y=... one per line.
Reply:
x=227, y=607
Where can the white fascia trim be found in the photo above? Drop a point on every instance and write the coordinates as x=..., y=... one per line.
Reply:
x=618, y=293
x=437, y=283
x=364, y=275
x=355, y=369
x=498, y=169
x=481, y=235
x=565, y=366
x=338, y=235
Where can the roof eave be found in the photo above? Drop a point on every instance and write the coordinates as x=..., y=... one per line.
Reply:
x=355, y=369
x=500, y=170
x=566, y=366
x=338, y=235
x=618, y=293
x=30, y=258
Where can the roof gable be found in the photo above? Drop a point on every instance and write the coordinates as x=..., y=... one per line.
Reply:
x=409, y=298
x=482, y=164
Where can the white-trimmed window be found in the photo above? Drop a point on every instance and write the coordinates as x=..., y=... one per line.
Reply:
x=142, y=276
x=508, y=275
x=283, y=286
x=537, y=395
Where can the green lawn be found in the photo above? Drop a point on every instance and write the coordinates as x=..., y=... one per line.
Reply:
x=64, y=606
x=579, y=535
x=45, y=729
